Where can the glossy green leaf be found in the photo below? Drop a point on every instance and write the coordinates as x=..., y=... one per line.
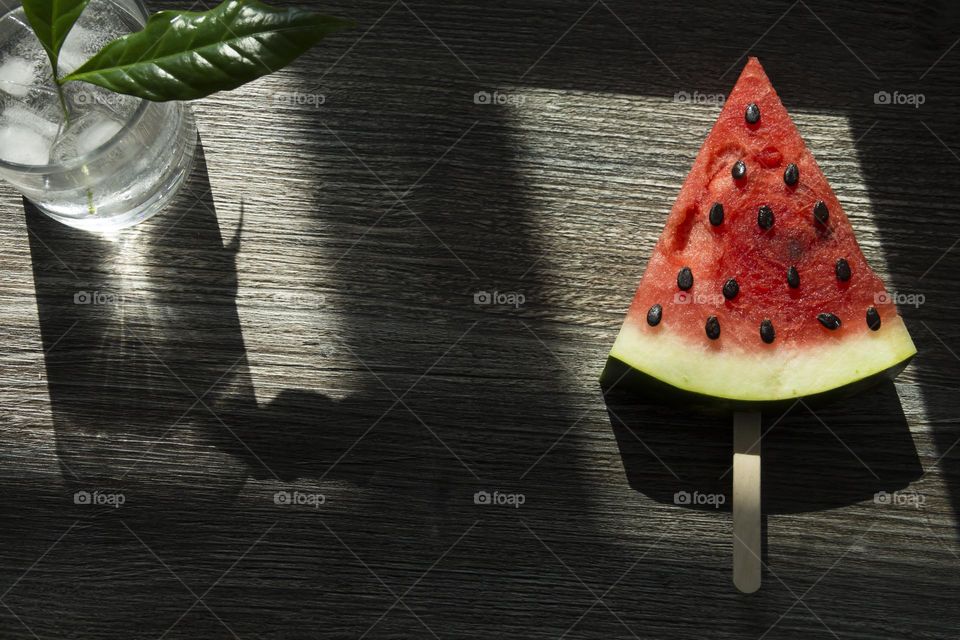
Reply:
x=183, y=55
x=52, y=21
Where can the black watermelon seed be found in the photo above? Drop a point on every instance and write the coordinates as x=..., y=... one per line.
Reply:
x=767, y=334
x=739, y=170
x=820, y=212
x=765, y=217
x=829, y=320
x=791, y=175
x=793, y=277
x=654, y=315
x=843, y=270
x=873, y=319
x=716, y=214
x=712, y=327
x=730, y=289
x=685, y=279
x=752, y=114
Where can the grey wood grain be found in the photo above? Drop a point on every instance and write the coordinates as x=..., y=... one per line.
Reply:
x=323, y=339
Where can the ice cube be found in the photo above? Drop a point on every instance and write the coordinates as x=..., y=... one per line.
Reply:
x=23, y=145
x=18, y=115
x=96, y=134
x=25, y=137
x=71, y=57
x=83, y=134
x=17, y=75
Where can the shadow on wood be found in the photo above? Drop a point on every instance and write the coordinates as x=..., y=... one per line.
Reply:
x=142, y=345
x=842, y=455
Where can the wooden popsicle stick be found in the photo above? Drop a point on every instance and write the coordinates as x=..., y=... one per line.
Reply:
x=746, y=501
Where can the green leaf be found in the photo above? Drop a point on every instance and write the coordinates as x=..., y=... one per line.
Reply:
x=51, y=21
x=184, y=55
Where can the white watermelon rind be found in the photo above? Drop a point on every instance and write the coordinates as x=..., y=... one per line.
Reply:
x=661, y=363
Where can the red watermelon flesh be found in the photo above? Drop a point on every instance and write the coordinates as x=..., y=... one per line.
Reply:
x=800, y=356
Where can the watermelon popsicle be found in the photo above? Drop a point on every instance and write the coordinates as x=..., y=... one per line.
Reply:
x=757, y=294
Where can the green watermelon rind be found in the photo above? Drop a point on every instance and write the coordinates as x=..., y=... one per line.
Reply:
x=620, y=376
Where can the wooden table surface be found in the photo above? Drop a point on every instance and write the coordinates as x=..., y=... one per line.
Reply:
x=288, y=383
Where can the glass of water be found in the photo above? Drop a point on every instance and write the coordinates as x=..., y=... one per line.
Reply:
x=117, y=159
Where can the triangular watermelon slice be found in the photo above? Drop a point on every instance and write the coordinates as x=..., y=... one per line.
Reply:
x=757, y=292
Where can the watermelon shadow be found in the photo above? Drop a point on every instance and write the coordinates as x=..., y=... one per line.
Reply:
x=842, y=455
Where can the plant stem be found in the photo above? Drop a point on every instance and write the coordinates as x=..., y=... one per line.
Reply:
x=55, y=67
x=61, y=96
x=63, y=100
